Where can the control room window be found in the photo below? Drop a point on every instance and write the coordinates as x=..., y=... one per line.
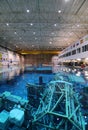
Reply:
x=78, y=50
x=73, y=52
x=84, y=48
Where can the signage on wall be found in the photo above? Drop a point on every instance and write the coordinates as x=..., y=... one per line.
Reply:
x=9, y=58
x=0, y=55
x=0, y=59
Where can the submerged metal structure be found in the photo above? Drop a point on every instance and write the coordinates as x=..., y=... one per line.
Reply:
x=54, y=106
x=59, y=108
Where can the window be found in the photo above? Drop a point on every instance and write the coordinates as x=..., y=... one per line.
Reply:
x=78, y=50
x=69, y=53
x=74, y=45
x=73, y=52
x=85, y=48
x=77, y=44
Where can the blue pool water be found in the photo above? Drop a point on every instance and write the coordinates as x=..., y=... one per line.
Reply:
x=16, y=83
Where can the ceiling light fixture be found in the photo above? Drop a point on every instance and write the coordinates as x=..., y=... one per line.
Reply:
x=78, y=59
x=32, y=45
x=15, y=32
x=86, y=58
x=78, y=25
x=66, y=0
x=7, y=24
x=52, y=33
x=50, y=42
x=28, y=10
x=31, y=24
x=33, y=32
x=59, y=11
x=55, y=24
x=16, y=46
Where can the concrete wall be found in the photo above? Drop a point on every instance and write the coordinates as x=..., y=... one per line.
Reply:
x=38, y=59
x=8, y=57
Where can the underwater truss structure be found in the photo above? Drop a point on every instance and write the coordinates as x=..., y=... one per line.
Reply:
x=59, y=108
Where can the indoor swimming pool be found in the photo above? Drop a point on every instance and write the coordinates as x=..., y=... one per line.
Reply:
x=15, y=81
x=26, y=92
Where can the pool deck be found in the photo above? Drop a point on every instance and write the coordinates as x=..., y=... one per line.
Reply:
x=8, y=69
x=42, y=69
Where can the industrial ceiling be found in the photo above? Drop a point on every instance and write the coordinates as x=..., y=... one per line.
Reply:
x=42, y=24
